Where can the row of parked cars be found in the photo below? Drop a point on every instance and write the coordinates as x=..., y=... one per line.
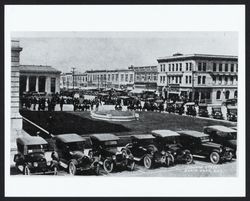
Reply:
x=159, y=148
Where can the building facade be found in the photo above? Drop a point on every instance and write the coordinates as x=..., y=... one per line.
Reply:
x=145, y=77
x=201, y=77
x=39, y=78
x=66, y=80
x=121, y=78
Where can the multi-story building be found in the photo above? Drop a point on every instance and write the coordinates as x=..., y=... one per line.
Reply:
x=66, y=80
x=121, y=78
x=202, y=77
x=145, y=77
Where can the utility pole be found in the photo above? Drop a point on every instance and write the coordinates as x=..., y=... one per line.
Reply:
x=73, y=76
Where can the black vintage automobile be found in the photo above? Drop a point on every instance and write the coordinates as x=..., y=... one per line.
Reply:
x=216, y=112
x=223, y=135
x=179, y=107
x=201, y=145
x=191, y=108
x=169, y=141
x=105, y=146
x=30, y=157
x=232, y=113
x=145, y=150
x=170, y=107
x=203, y=112
x=70, y=154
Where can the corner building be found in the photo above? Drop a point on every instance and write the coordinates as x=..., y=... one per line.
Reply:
x=199, y=77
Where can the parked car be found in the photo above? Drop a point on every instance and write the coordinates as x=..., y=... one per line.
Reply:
x=144, y=150
x=30, y=157
x=70, y=154
x=232, y=113
x=201, y=145
x=179, y=107
x=203, y=112
x=216, y=112
x=170, y=107
x=191, y=108
x=169, y=141
x=105, y=146
x=223, y=135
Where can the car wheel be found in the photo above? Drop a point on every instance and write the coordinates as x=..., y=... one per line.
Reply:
x=72, y=168
x=108, y=165
x=230, y=156
x=26, y=170
x=214, y=157
x=189, y=158
x=55, y=171
x=148, y=163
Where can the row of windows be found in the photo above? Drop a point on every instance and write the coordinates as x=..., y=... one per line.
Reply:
x=227, y=94
x=226, y=79
x=201, y=79
x=175, y=67
x=225, y=67
x=113, y=77
x=146, y=77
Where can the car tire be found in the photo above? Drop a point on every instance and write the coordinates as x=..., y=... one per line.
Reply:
x=72, y=168
x=26, y=170
x=189, y=158
x=230, y=156
x=214, y=157
x=147, y=161
x=108, y=165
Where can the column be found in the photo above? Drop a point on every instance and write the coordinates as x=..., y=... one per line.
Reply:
x=27, y=83
x=37, y=84
x=199, y=96
x=47, y=85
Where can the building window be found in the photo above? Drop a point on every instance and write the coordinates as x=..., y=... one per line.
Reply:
x=180, y=66
x=208, y=95
x=126, y=78
x=149, y=77
x=176, y=67
x=190, y=79
x=226, y=67
x=155, y=77
x=116, y=77
x=236, y=67
x=227, y=94
x=164, y=79
x=186, y=66
x=199, y=79
x=53, y=85
x=220, y=79
x=108, y=77
x=137, y=78
x=214, y=67
x=190, y=66
x=232, y=67
x=176, y=79
x=220, y=67
x=172, y=67
x=180, y=79
x=131, y=78
x=232, y=79
x=235, y=94
x=113, y=77
x=169, y=67
x=164, y=68
x=218, y=93
x=186, y=79
x=204, y=66
x=204, y=80
x=199, y=66
x=226, y=80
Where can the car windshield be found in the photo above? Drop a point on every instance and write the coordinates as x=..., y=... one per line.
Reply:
x=76, y=146
x=110, y=143
x=203, y=107
x=35, y=148
x=205, y=139
x=229, y=135
x=172, y=140
x=147, y=141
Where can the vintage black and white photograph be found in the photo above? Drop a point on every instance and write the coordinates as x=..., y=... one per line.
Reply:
x=130, y=105
x=107, y=102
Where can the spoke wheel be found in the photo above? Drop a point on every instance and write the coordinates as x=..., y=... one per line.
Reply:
x=26, y=170
x=72, y=168
x=214, y=157
x=108, y=165
x=147, y=162
x=189, y=158
x=230, y=156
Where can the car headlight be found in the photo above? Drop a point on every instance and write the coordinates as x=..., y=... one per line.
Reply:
x=175, y=153
x=48, y=163
x=35, y=164
x=184, y=152
x=163, y=152
x=220, y=150
x=114, y=157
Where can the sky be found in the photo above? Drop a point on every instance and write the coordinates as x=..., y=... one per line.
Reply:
x=117, y=50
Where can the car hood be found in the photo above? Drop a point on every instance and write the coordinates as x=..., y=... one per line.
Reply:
x=36, y=157
x=173, y=147
x=77, y=154
x=211, y=144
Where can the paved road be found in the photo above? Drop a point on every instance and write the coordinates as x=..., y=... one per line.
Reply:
x=198, y=169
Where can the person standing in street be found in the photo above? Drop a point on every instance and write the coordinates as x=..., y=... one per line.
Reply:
x=61, y=103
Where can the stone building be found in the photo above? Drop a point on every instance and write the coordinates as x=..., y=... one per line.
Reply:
x=39, y=78
x=145, y=77
x=201, y=77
